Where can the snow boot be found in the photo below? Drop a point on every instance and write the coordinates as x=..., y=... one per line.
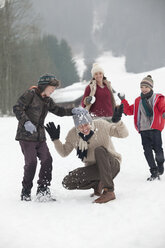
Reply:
x=106, y=196
x=154, y=175
x=43, y=194
x=160, y=169
x=152, y=178
x=25, y=195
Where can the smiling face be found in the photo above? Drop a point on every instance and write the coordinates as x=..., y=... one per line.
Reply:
x=48, y=91
x=145, y=89
x=85, y=128
x=98, y=76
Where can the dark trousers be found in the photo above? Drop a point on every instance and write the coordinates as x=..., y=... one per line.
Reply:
x=31, y=150
x=152, y=141
x=105, y=170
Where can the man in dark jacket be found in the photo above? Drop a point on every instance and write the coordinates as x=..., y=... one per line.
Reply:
x=31, y=110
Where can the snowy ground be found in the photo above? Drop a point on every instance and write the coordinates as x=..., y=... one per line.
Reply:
x=135, y=219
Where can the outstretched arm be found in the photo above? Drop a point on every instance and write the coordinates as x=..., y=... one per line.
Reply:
x=63, y=149
x=117, y=127
x=128, y=109
x=54, y=133
x=57, y=110
x=118, y=130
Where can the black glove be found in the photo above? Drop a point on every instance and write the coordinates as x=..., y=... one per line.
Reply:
x=121, y=96
x=117, y=113
x=53, y=131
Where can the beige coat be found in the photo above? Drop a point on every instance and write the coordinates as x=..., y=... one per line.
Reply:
x=103, y=131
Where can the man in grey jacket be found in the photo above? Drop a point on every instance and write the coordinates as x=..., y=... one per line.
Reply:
x=92, y=140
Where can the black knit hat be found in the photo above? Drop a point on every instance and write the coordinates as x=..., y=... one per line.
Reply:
x=47, y=79
x=147, y=81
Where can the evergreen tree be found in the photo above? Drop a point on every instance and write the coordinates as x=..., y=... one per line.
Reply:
x=61, y=57
x=67, y=68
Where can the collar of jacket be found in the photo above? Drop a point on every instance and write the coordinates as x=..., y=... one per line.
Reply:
x=37, y=91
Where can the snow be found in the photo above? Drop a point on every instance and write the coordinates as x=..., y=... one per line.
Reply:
x=135, y=219
x=69, y=93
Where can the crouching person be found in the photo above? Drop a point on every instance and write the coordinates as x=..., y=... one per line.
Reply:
x=94, y=147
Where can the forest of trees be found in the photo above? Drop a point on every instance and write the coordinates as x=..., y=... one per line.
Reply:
x=25, y=54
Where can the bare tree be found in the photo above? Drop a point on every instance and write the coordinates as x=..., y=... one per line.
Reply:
x=16, y=24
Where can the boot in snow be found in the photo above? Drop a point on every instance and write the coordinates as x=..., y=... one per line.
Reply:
x=25, y=195
x=106, y=196
x=154, y=175
x=160, y=169
x=43, y=194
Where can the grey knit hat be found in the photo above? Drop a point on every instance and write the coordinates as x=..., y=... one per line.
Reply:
x=147, y=81
x=81, y=116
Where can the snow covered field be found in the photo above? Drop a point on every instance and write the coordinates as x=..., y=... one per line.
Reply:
x=135, y=219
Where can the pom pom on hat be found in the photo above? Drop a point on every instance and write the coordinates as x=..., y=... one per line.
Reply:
x=147, y=81
x=96, y=68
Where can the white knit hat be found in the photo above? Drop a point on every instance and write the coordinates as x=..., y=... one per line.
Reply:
x=96, y=68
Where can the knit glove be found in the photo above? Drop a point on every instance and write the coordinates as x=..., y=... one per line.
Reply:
x=121, y=96
x=117, y=113
x=163, y=115
x=53, y=132
x=89, y=100
x=29, y=126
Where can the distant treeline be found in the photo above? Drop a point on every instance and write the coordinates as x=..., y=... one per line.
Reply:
x=131, y=28
x=25, y=55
